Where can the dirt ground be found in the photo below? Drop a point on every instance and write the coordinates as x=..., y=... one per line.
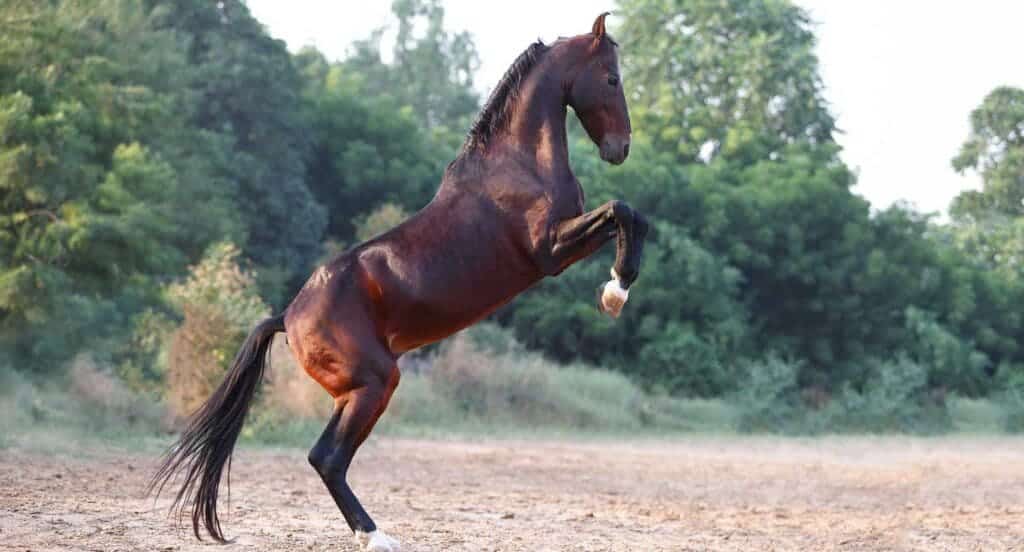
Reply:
x=699, y=493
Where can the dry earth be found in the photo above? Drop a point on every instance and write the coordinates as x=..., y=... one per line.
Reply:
x=699, y=493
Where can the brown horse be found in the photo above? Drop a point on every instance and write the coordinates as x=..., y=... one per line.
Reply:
x=508, y=213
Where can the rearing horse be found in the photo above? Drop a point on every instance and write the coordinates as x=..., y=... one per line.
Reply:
x=508, y=213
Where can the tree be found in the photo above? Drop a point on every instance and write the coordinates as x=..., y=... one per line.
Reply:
x=988, y=228
x=432, y=71
x=98, y=196
x=366, y=149
x=995, y=149
x=383, y=132
x=733, y=78
x=248, y=92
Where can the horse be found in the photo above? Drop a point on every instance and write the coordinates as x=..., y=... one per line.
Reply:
x=508, y=213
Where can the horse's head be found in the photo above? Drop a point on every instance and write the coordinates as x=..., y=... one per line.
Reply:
x=596, y=95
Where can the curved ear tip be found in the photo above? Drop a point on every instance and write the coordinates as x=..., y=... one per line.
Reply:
x=598, y=29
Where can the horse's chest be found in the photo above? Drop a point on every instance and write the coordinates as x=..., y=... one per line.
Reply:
x=567, y=199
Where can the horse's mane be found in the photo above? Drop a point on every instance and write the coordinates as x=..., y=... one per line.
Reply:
x=496, y=111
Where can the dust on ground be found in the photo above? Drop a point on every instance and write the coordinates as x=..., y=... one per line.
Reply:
x=694, y=493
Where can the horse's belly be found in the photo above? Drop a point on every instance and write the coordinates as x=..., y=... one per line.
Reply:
x=448, y=299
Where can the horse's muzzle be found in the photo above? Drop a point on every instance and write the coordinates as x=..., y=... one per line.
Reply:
x=615, y=149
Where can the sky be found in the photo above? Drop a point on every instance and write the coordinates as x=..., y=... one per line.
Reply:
x=901, y=76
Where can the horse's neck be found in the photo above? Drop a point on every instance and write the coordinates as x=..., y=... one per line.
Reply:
x=537, y=125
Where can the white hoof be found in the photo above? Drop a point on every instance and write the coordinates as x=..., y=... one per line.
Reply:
x=614, y=296
x=376, y=541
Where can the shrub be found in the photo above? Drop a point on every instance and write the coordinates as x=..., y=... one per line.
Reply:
x=976, y=415
x=895, y=397
x=485, y=378
x=1011, y=396
x=380, y=220
x=769, y=396
x=952, y=362
x=219, y=304
x=105, y=401
x=680, y=360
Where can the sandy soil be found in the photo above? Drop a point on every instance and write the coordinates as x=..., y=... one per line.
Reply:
x=701, y=493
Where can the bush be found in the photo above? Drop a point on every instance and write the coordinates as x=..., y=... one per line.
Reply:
x=89, y=402
x=895, y=397
x=683, y=362
x=952, y=362
x=483, y=378
x=1011, y=397
x=976, y=415
x=380, y=220
x=769, y=397
x=106, y=402
x=219, y=304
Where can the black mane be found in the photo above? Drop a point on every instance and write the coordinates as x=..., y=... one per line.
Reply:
x=495, y=112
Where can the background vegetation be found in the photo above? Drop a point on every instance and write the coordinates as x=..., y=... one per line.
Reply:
x=170, y=174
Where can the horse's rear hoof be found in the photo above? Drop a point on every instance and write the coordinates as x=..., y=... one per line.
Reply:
x=376, y=541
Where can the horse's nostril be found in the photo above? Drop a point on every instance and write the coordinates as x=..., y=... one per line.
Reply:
x=625, y=150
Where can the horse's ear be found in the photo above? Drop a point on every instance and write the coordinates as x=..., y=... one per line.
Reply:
x=598, y=29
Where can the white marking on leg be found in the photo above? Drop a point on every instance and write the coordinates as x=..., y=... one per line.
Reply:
x=376, y=541
x=614, y=296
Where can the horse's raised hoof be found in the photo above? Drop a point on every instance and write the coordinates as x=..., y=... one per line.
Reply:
x=613, y=297
x=376, y=541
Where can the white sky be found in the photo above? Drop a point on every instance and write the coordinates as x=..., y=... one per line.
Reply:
x=901, y=75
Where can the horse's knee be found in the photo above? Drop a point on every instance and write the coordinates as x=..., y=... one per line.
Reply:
x=629, y=216
x=620, y=210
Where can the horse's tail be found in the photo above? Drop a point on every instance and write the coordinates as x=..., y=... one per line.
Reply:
x=205, y=446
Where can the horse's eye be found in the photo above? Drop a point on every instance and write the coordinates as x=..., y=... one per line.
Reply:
x=613, y=80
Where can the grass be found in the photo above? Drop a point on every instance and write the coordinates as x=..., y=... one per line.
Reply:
x=480, y=385
x=84, y=411
x=485, y=385
x=977, y=416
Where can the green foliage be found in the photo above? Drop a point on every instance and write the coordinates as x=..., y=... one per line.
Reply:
x=895, y=396
x=367, y=151
x=976, y=416
x=484, y=379
x=769, y=396
x=218, y=283
x=138, y=139
x=219, y=305
x=99, y=188
x=382, y=219
x=246, y=90
x=87, y=404
x=384, y=132
x=951, y=361
x=995, y=148
x=736, y=78
x=432, y=70
x=988, y=229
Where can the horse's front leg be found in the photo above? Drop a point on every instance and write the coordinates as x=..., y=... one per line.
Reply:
x=578, y=237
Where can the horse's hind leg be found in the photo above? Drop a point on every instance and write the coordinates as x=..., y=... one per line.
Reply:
x=355, y=413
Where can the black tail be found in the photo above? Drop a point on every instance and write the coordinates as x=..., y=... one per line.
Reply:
x=205, y=446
